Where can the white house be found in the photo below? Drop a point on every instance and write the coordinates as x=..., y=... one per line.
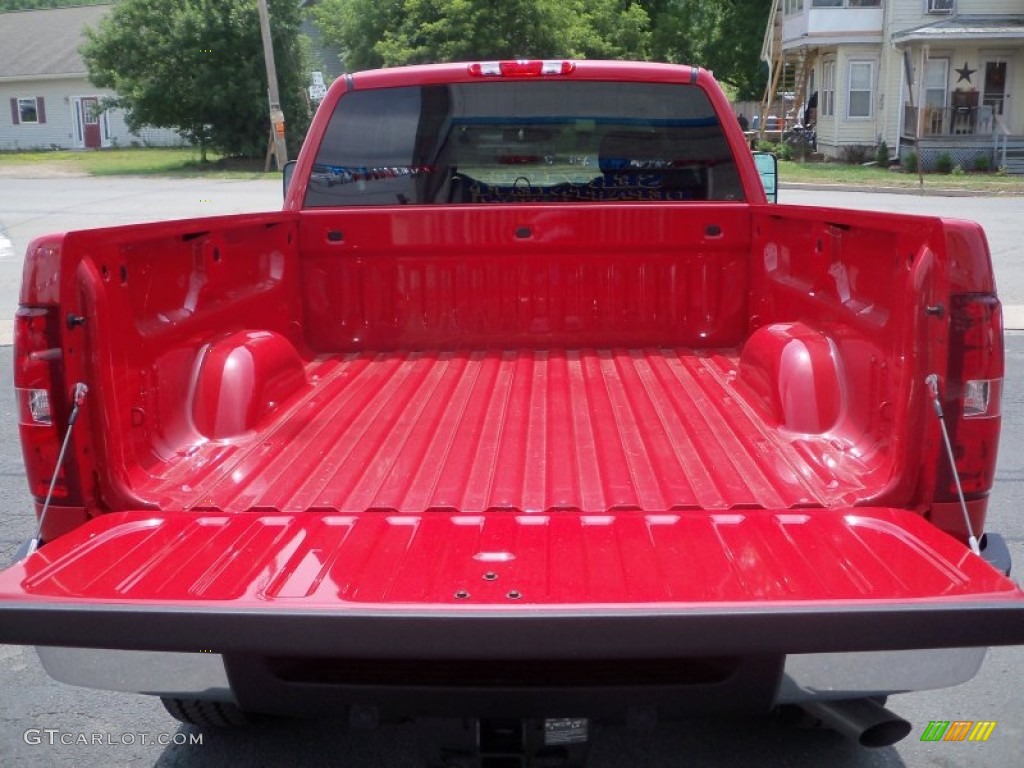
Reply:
x=931, y=76
x=51, y=102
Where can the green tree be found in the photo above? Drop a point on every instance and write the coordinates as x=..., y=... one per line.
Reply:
x=374, y=33
x=356, y=26
x=721, y=35
x=196, y=66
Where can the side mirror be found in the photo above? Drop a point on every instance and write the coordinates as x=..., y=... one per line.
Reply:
x=768, y=169
x=286, y=175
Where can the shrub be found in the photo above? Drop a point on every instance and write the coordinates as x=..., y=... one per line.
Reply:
x=981, y=164
x=856, y=154
x=882, y=154
x=944, y=163
x=781, y=151
x=910, y=164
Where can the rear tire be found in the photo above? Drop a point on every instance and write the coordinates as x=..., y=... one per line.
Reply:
x=207, y=714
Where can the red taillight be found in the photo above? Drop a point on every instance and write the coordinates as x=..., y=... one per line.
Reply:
x=521, y=68
x=973, y=393
x=38, y=377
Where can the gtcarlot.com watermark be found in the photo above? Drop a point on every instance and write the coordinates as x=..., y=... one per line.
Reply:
x=54, y=736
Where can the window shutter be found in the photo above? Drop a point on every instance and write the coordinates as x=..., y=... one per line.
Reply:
x=41, y=109
x=14, y=112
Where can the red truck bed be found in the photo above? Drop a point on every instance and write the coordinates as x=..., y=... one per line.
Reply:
x=532, y=431
x=554, y=373
x=327, y=411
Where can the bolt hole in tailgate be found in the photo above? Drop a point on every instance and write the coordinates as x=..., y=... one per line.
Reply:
x=507, y=585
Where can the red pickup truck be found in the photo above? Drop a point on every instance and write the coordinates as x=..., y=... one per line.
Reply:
x=527, y=405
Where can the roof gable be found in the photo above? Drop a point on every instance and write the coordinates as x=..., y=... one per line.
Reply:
x=42, y=43
x=961, y=28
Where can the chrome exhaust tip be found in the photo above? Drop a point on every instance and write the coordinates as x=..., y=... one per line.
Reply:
x=865, y=721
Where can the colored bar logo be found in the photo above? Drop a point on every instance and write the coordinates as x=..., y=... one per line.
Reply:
x=958, y=730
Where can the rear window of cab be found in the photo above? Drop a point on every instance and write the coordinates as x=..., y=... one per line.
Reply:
x=523, y=141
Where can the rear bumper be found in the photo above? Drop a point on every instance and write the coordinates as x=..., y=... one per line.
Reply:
x=685, y=686
x=591, y=632
x=527, y=663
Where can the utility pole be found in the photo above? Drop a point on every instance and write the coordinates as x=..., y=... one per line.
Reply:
x=276, y=145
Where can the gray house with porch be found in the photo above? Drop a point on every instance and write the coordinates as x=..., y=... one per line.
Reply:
x=927, y=76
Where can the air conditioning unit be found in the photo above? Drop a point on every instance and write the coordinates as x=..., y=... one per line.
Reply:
x=941, y=6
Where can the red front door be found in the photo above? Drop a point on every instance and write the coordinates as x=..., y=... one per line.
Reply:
x=90, y=121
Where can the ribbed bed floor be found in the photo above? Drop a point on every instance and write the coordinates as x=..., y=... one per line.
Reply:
x=524, y=430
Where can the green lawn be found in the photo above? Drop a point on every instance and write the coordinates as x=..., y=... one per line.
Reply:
x=838, y=173
x=185, y=162
x=132, y=162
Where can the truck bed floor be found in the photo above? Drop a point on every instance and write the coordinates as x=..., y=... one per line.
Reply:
x=524, y=430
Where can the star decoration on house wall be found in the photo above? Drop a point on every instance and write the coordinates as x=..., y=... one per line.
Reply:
x=965, y=73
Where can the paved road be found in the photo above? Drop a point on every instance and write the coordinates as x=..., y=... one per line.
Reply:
x=33, y=207
x=29, y=700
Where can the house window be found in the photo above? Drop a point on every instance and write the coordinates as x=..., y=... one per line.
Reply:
x=827, y=102
x=794, y=6
x=861, y=76
x=936, y=83
x=28, y=110
x=941, y=6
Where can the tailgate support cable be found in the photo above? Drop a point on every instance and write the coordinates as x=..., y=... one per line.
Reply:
x=932, y=381
x=78, y=398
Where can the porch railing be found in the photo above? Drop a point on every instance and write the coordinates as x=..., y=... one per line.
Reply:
x=1000, y=132
x=951, y=121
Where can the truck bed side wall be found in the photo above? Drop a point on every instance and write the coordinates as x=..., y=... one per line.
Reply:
x=863, y=281
x=155, y=297
x=203, y=335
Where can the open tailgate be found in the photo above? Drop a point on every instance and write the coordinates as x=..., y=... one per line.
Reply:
x=510, y=585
